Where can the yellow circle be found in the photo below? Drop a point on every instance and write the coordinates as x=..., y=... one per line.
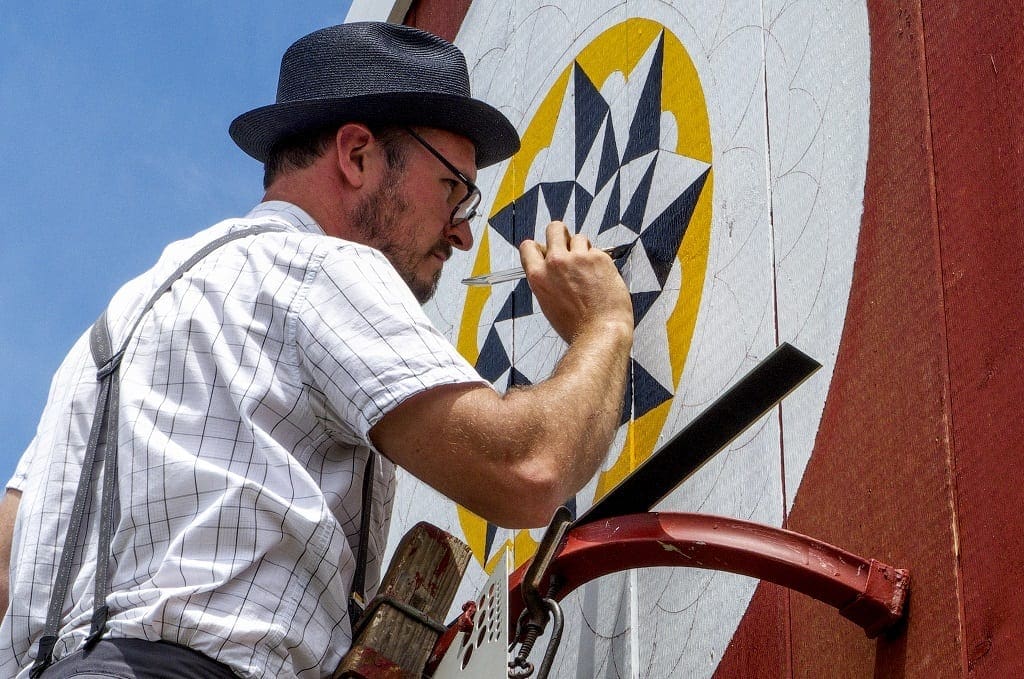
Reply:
x=619, y=49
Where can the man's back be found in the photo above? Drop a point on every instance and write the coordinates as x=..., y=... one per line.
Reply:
x=239, y=483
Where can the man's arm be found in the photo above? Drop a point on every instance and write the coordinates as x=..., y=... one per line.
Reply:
x=514, y=458
x=8, y=512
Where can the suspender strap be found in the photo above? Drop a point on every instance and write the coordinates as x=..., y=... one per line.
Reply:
x=103, y=433
x=188, y=264
x=100, y=345
x=110, y=372
x=357, y=598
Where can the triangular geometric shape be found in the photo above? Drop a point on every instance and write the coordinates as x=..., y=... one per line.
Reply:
x=493, y=359
x=662, y=268
x=507, y=311
x=489, y=540
x=527, y=206
x=583, y=201
x=586, y=176
x=641, y=276
x=616, y=236
x=591, y=110
x=515, y=221
x=642, y=302
x=648, y=393
x=556, y=198
x=518, y=379
x=522, y=298
x=645, y=129
x=633, y=216
x=503, y=221
x=610, y=162
x=612, y=212
x=653, y=353
x=673, y=174
x=664, y=235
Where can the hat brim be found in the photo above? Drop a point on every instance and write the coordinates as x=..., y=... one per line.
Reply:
x=494, y=137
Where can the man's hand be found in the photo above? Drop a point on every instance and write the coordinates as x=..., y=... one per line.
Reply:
x=576, y=285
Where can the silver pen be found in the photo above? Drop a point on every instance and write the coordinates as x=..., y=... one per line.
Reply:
x=617, y=252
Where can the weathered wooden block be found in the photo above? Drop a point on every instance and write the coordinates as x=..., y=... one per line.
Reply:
x=400, y=626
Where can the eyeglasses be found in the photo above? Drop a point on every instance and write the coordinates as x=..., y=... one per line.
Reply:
x=465, y=209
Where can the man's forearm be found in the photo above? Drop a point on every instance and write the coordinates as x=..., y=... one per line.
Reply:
x=578, y=409
x=8, y=513
x=514, y=458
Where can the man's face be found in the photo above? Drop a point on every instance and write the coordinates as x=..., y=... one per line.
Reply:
x=408, y=216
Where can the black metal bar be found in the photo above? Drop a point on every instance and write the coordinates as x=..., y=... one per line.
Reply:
x=741, y=406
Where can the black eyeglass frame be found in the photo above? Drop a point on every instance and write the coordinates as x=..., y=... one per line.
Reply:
x=468, y=205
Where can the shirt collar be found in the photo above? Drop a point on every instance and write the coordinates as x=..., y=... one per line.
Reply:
x=289, y=213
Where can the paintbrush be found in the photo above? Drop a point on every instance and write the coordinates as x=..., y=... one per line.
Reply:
x=617, y=252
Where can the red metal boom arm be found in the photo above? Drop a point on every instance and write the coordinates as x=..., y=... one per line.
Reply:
x=865, y=591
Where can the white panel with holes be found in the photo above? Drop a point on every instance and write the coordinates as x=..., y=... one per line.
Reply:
x=483, y=653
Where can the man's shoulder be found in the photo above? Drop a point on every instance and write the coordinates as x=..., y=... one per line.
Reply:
x=286, y=222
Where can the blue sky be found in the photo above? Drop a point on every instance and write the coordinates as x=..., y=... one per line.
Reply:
x=113, y=142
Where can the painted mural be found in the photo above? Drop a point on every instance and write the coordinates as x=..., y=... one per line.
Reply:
x=727, y=144
x=599, y=168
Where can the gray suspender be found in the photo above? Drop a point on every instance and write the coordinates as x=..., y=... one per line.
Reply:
x=107, y=373
x=104, y=434
x=357, y=597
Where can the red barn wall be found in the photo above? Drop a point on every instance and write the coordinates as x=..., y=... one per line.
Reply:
x=918, y=456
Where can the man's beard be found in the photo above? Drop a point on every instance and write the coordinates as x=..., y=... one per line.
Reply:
x=376, y=218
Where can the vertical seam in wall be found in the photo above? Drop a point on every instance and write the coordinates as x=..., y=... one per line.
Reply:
x=769, y=199
x=947, y=413
x=634, y=584
x=634, y=624
x=517, y=83
x=787, y=617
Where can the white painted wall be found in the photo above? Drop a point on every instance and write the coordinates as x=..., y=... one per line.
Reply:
x=377, y=10
x=786, y=92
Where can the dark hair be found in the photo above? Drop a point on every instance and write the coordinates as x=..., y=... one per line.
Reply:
x=299, y=151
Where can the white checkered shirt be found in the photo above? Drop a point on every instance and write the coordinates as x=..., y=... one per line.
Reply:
x=246, y=399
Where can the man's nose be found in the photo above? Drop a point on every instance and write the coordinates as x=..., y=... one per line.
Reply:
x=460, y=235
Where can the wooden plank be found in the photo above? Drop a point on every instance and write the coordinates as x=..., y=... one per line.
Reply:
x=732, y=413
x=855, y=486
x=975, y=57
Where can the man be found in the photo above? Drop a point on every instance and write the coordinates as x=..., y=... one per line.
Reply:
x=282, y=367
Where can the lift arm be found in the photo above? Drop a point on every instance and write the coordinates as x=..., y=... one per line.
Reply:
x=868, y=592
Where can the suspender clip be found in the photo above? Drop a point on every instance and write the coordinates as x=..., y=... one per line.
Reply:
x=99, y=624
x=44, y=656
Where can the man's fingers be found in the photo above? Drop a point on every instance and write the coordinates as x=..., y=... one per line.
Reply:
x=531, y=253
x=559, y=241
x=557, y=235
x=579, y=243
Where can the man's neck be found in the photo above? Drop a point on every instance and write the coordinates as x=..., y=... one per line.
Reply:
x=302, y=189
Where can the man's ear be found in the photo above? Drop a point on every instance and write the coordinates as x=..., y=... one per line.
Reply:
x=353, y=145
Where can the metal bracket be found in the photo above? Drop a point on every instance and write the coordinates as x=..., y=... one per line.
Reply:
x=538, y=608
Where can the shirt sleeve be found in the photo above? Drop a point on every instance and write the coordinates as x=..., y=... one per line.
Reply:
x=365, y=344
x=17, y=482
